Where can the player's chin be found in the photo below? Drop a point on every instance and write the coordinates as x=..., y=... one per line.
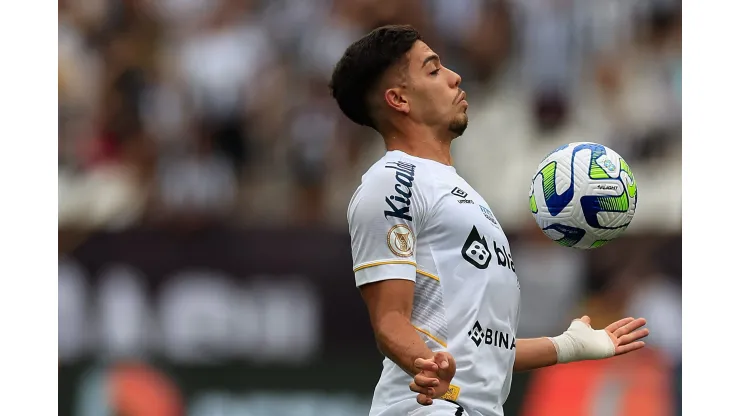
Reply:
x=459, y=124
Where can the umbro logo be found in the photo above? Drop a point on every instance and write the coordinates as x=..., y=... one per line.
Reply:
x=459, y=193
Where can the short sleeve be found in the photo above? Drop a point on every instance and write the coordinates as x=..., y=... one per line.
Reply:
x=385, y=219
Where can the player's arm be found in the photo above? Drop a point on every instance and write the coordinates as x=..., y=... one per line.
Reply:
x=534, y=353
x=581, y=342
x=389, y=303
x=385, y=219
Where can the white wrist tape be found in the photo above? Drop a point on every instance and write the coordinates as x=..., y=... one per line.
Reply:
x=581, y=342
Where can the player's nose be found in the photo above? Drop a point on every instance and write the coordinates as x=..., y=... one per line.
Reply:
x=455, y=78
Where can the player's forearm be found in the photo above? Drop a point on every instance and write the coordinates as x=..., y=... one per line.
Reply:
x=399, y=341
x=533, y=353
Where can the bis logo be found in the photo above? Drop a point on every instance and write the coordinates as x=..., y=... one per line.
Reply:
x=476, y=252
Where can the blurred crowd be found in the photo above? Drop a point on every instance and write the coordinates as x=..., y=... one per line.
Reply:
x=190, y=112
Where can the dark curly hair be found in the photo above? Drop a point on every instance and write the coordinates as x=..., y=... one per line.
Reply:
x=364, y=63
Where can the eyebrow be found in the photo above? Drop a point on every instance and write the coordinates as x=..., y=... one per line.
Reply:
x=429, y=59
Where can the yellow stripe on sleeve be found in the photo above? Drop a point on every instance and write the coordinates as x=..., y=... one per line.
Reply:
x=437, y=340
x=384, y=262
x=427, y=274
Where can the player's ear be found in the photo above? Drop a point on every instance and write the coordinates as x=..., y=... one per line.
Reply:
x=396, y=99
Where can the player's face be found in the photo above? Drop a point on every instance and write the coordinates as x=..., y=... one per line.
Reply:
x=435, y=96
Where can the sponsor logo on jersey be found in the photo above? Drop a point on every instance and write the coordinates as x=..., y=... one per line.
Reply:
x=459, y=192
x=475, y=250
x=401, y=240
x=487, y=336
x=488, y=214
x=400, y=203
x=504, y=259
x=465, y=201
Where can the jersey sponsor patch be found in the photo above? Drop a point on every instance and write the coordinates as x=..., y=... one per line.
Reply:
x=475, y=250
x=400, y=202
x=401, y=240
x=488, y=336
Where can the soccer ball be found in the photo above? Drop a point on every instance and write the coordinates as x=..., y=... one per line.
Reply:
x=583, y=195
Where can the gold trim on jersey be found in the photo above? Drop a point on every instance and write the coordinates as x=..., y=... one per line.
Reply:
x=383, y=262
x=437, y=340
x=427, y=274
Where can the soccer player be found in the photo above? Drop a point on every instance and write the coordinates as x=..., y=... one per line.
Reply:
x=431, y=261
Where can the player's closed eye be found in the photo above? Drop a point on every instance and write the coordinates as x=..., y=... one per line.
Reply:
x=435, y=72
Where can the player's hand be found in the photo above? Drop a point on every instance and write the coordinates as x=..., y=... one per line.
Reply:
x=433, y=377
x=625, y=333
x=581, y=342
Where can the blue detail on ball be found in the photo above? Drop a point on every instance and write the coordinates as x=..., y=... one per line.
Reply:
x=557, y=202
x=592, y=205
x=571, y=235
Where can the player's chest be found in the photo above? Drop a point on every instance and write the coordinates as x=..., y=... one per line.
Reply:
x=466, y=227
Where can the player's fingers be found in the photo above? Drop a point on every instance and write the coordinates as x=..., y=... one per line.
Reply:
x=620, y=323
x=424, y=400
x=428, y=391
x=630, y=327
x=634, y=336
x=424, y=381
x=422, y=364
x=624, y=349
x=441, y=360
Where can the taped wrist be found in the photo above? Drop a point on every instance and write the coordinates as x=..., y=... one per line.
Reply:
x=581, y=342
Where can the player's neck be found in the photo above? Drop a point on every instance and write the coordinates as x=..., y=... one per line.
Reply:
x=425, y=146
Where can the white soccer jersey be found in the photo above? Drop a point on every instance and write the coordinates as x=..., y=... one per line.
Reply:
x=417, y=219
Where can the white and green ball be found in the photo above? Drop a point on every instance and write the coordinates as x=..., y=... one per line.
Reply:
x=583, y=195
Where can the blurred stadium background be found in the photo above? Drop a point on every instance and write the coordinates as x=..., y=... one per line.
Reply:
x=204, y=175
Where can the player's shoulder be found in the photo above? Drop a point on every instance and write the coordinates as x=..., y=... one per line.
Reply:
x=397, y=183
x=397, y=173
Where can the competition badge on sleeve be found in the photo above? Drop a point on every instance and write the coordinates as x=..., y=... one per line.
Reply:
x=401, y=240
